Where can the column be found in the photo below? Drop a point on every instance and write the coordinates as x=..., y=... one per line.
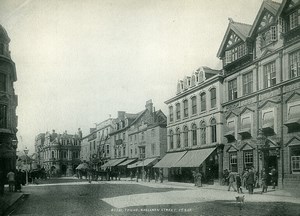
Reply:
x=220, y=148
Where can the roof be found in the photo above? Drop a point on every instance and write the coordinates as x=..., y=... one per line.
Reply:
x=241, y=29
x=4, y=35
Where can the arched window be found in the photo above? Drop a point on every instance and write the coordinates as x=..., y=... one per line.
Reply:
x=178, y=137
x=213, y=126
x=171, y=139
x=203, y=101
x=171, y=113
x=203, y=132
x=186, y=136
x=194, y=105
x=185, y=108
x=177, y=111
x=213, y=98
x=194, y=134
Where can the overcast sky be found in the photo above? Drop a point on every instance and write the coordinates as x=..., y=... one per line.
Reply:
x=80, y=60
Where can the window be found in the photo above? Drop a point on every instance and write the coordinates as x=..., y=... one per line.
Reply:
x=115, y=153
x=203, y=102
x=142, y=152
x=143, y=136
x=294, y=62
x=269, y=36
x=294, y=19
x=107, y=149
x=194, y=105
x=268, y=117
x=178, y=111
x=194, y=135
x=213, y=98
x=246, y=122
x=232, y=89
x=269, y=75
x=52, y=154
x=185, y=108
x=235, y=53
x=213, y=126
x=295, y=159
x=247, y=83
x=171, y=140
x=171, y=113
x=124, y=151
x=153, y=148
x=273, y=31
x=203, y=132
x=248, y=159
x=186, y=136
x=178, y=137
x=233, y=161
x=3, y=116
x=2, y=82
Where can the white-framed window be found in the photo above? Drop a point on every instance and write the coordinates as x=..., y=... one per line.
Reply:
x=294, y=19
x=294, y=63
x=295, y=159
x=232, y=89
x=248, y=158
x=194, y=105
x=213, y=97
x=269, y=74
x=185, y=108
x=273, y=31
x=233, y=165
x=248, y=83
x=178, y=111
x=203, y=101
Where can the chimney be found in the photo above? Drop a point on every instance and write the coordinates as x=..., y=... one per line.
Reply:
x=149, y=105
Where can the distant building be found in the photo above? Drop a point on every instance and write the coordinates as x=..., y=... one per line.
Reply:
x=59, y=154
x=262, y=92
x=8, y=104
x=195, y=135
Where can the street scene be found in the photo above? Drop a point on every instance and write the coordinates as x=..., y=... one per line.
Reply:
x=149, y=107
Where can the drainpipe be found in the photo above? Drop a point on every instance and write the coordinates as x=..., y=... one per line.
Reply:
x=257, y=116
x=281, y=99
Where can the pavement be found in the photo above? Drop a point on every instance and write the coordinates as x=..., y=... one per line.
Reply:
x=189, y=194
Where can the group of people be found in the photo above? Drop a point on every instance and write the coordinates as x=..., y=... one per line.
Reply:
x=15, y=180
x=146, y=176
x=249, y=180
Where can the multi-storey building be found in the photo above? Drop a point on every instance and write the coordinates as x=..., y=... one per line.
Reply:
x=60, y=153
x=195, y=127
x=38, y=147
x=96, y=147
x=8, y=104
x=261, y=65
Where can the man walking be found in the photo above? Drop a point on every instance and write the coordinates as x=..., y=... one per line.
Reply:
x=250, y=181
x=231, y=179
x=11, y=180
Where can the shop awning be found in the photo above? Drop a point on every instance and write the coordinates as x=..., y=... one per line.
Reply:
x=128, y=161
x=194, y=158
x=170, y=159
x=118, y=161
x=147, y=162
x=292, y=123
x=134, y=165
x=112, y=163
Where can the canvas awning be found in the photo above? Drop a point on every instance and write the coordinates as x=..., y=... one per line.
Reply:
x=292, y=123
x=127, y=162
x=134, y=165
x=109, y=163
x=170, y=159
x=147, y=162
x=194, y=158
x=117, y=161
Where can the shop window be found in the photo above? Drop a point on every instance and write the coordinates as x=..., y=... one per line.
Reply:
x=295, y=159
x=186, y=136
x=233, y=166
x=248, y=159
x=194, y=134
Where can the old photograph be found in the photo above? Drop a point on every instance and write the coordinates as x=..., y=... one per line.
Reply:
x=149, y=107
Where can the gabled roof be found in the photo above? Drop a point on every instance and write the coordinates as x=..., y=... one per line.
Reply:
x=291, y=141
x=229, y=114
x=268, y=101
x=240, y=29
x=291, y=96
x=268, y=5
x=245, y=109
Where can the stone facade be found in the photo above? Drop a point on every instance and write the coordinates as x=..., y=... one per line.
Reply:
x=261, y=84
x=8, y=104
x=59, y=154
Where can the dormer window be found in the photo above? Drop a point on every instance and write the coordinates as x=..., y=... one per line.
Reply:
x=294, y=19
x=268, y=36
x=235, y=53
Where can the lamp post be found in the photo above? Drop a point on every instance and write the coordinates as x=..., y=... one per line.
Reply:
x=26, y=153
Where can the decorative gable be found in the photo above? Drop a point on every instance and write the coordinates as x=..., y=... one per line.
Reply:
x=295, y=141
x=268, y=102
x=232, y=148
x=246, y=110
x=295, y=96
x=247, y=147
x=233, y=39
x=231, y=115
x=267, y=19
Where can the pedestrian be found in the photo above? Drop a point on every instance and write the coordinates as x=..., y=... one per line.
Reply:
x=231, y=180
x=225, y=176
x=244, y=177
x=161, y=176
x=155, y=176
x=89, y=175
x=11, y=180
x=149, y=177
x=131, y=175
x=119, y=175
x=18, y=181
x=195, y=178
x=250, y=181
x=198, y=179
x=239, y=183
x=273, y=177
x=264, y=184
x=137, y=175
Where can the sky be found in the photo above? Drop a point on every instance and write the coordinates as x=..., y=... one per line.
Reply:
x=80, y=61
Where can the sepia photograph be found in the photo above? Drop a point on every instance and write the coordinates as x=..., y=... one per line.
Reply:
x=150, y=107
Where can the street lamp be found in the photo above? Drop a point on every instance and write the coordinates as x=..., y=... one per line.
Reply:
x=26, y=150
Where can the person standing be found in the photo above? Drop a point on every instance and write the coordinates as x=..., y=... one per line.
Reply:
x=239, y=183
x=155, y=176
x=231, y=180
x=264, y=185
x=273, y=177
x=18, y=181
x=11, y=180
x=250, y=181
x=161, y=176
x=198, y=179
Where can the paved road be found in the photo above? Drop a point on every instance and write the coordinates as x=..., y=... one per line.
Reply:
x=128, y=198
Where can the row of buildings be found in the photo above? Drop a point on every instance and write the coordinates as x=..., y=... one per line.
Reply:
x=245, y=115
